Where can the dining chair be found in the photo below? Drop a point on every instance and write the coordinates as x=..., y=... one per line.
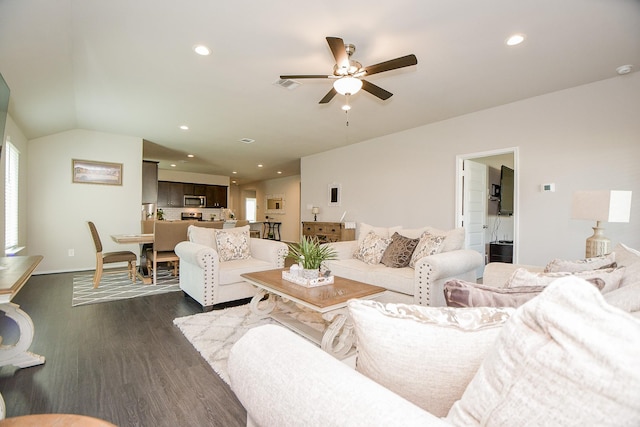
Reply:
x=110, y=257
x=166, y=235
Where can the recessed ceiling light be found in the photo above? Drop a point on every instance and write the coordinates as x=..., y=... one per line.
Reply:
x=279, y=172
x=247, y=140
x=202, y=50
x=173, y=165
x=624, y=69
x=233, y=182
x=260, y=166
x=184, y=127
x=515, y=39
x=346, y=107
x=190, y=155
x=234, y=172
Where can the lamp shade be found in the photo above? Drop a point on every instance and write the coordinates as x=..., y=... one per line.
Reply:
x=347, y=85
x=315, y=210
x=606, y=205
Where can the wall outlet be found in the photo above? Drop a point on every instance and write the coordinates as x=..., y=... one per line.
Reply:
x=72, y=252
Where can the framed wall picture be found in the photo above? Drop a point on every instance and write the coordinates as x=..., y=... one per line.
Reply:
x=335, y=192
x=92, y=172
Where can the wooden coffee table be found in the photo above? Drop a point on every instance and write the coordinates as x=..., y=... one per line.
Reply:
x=330, y=300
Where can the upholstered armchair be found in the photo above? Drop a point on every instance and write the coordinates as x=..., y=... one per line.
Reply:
x=210, y=281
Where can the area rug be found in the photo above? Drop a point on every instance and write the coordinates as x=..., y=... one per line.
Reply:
x=214, y=333
x=118, y=286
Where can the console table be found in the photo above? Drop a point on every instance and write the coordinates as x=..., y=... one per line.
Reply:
x=14, y=273
x=271, y=230
x=328, y=231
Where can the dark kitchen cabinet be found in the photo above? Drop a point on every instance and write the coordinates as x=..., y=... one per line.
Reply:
x=149, y=182
x=501, y=251
x=170, y=194
x=216, y=196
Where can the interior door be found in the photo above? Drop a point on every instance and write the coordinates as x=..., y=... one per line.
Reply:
x=475, y=207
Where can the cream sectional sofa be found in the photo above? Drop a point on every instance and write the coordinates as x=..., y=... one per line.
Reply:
x=569, y=356
x=422, y=284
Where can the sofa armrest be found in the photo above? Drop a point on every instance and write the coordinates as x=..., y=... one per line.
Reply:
x=271, y=251
x=283, y=380
x=497, y=273
x=345, y=249
x=194, y=253
x=433, y=271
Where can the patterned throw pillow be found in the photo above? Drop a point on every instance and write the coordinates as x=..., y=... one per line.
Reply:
x=233, y=244
x=398, y=253
x=429, y=244
x=371, y=249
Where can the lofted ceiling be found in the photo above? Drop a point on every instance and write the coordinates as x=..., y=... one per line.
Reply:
x=127, y=67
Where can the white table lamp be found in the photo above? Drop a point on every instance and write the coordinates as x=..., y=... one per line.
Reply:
x=606, y=205
x=315, y=211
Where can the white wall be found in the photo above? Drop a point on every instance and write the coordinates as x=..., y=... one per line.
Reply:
x=582, y=138
x=291, y=227
x=59, y=209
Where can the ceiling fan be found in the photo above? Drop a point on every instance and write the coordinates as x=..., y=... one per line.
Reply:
x=348, y=73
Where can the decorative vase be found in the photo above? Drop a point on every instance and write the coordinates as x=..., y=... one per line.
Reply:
x=310, y=273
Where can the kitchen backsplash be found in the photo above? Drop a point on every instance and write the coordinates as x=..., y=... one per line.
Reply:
x=173, y=214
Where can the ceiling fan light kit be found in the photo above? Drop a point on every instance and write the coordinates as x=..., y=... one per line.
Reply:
x=349, y=72
x=347, y=85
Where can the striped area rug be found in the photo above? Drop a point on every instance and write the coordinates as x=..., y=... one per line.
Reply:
x=118, y=286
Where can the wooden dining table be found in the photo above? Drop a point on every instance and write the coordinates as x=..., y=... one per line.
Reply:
x=144, y=240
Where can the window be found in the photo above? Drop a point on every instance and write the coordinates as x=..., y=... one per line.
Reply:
x=11, y=197
x=250, y=209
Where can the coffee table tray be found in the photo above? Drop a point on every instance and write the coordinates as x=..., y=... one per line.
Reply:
x=308, y=283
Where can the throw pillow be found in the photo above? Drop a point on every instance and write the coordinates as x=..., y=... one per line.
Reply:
x=233, y=243
x=587, y=264
x=371, y=249
x=429, y=244
x=625, y=298
x=427, y=355
x=385, y=232
x=609, y=279
x=564, y=358
x=459, y=293
x=398, y=253
x=453, y=239
x=625, y=256
x=202, y=236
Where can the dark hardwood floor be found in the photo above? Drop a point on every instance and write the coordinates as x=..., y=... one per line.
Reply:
x=124, y=362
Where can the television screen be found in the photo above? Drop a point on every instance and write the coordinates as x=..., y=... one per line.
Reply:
x=506, y=191
x=4, y=106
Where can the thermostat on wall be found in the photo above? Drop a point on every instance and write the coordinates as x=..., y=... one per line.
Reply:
x=550, y=188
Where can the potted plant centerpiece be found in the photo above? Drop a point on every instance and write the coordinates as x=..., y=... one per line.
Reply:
x=309, y=254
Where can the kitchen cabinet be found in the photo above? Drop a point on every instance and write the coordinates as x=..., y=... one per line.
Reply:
x=328, y=231
x=170, y=194
x=216, y=196
x=149, y=182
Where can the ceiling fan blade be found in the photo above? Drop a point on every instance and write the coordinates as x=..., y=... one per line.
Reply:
x=328, y=97
x=376, y=90
x=306, y=76
x=392, y=64
x=339, y=51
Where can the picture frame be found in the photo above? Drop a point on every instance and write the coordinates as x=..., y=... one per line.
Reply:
x=274, y=204
x=93, y=172
x=335, y=193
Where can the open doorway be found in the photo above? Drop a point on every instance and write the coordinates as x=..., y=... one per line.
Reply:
x=488, y=212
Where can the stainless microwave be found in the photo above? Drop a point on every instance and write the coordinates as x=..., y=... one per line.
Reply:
x=195, y=201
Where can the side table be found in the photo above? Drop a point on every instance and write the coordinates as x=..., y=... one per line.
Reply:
x=271, y=230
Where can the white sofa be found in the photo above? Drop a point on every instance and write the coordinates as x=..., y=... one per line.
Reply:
x=210, y=281
x=564, y=358
x=422, y=284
